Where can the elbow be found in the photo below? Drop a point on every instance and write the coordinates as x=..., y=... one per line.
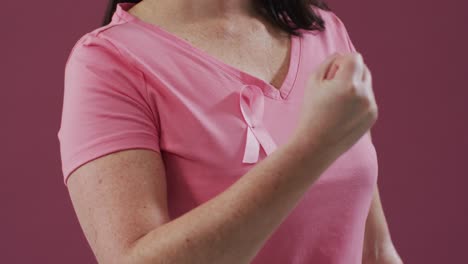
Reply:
x=126, y=255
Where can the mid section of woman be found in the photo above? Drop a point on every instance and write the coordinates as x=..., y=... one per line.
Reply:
x=219, y=132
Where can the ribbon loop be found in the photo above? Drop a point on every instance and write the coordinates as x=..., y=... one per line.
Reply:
x=252, y=108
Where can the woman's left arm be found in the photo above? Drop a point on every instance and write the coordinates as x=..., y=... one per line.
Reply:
x=378, y=245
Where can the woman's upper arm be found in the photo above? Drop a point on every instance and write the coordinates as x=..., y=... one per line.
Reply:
x=109, y=146
x=119, y=198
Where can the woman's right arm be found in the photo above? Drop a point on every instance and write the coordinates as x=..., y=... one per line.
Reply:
x=121, y=204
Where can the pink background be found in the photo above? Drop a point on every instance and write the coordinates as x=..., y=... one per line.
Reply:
x=416, y=52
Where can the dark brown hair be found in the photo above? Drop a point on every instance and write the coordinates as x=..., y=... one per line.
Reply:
x=288, y=15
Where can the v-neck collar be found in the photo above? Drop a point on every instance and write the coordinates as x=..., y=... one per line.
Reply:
x=246, y=78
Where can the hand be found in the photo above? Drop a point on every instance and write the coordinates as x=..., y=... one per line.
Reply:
x=339, y=105
x=384, y=255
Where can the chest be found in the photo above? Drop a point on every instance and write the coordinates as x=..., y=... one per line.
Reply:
x=204, y=134
x=253, y=47
x=262, y=56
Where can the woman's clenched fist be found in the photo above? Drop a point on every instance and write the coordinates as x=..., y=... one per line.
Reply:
x=339, y=105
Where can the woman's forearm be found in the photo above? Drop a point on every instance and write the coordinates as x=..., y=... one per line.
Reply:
x=233, y=226
x=377, y=234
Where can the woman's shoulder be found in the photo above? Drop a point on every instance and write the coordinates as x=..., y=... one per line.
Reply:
x=102, y=43
x=332, y=21
x=335, y=32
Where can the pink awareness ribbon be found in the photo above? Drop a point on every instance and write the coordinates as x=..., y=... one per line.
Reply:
x=252, y=108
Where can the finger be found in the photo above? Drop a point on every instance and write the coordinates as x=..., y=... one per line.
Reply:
x=324, y=67
x=367, y=78
x=351, y=67
x=367, y=82
x=360, y=67
x=365, y=73
x=331, y=71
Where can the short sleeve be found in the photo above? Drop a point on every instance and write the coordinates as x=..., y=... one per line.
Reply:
x=105, y=106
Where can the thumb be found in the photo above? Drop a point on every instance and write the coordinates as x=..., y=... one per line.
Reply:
x=324, y=67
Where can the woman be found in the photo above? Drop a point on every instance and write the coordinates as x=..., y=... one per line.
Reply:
x=220, y=132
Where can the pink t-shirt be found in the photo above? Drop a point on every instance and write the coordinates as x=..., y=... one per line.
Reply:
x=131, y=84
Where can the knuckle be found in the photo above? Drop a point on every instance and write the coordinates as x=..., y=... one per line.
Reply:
x=374, y=111
x=365, y=102
x=357, y=55
x=352, y=88
x=355, y=59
